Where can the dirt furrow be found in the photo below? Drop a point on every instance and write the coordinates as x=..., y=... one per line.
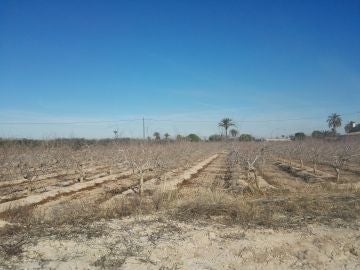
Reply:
x=58, y=192
x=89, y=189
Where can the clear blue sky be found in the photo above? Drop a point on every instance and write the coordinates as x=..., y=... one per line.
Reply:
x=178, y=60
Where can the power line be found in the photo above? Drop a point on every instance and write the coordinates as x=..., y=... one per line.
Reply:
x=247, y=121
x=163, y=120
x=69, y=123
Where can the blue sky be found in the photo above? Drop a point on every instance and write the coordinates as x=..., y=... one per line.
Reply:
x=65, y=61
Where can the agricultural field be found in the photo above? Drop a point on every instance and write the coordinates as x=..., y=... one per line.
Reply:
x=180, y=205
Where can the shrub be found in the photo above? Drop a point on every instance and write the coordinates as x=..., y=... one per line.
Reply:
x=246, y=138
x=193, y=137
x=215, y=138
x=299, y=136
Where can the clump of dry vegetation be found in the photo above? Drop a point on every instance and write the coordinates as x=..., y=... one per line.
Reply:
x=288, y=211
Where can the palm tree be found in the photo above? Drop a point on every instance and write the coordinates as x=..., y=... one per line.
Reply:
x=349, y=126
x=226, y=123
x=166, y=135
x=334, y=121
x=156, y=135
x=116, y=134
x=234, y=132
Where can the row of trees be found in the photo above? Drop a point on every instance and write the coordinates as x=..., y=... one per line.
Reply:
x=339, y=155
x=191, y=137
x=226, y=123
x=71, y=165
x=334, y=121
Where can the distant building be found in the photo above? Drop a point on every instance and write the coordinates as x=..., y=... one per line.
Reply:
x=355, y=128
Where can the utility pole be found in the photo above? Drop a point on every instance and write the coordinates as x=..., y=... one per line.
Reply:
x=143, y=128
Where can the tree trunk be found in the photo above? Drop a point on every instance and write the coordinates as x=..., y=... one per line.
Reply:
x=301, y=163
x=314, y=167
x=141, y=184
x=256, y=181
x=337, y=174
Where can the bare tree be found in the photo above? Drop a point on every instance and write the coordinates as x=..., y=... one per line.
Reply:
x=248, y=156
x=340, y=158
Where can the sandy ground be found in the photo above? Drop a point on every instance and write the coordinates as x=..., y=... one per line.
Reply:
x=155, y=242
x=160, y=241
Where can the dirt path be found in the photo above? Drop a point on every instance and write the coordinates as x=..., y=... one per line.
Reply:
x=284, y=172
x=21, y=188
x=280, y=178
x=347, y=175
x=224, y=175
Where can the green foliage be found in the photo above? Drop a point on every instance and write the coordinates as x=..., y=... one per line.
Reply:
x=215, y=138
x=246, y=138
x=226, y=123
x=351, y=127
x=334, y=121
x=299, y=136
x=317, y=134
x=193, y=137
x=356, y=128
x=156, y=135
x=234, y=132
x=322, y=134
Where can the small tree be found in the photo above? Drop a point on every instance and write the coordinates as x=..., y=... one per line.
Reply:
x=299, y=153
x=246, y=138
x=193, y=137
x=139, y=158
x=299, y=136
x=317, y=134
x=234, y=133
x=314, y=155
x=116, y=134
x=215, y=138
x=166, y=135
x=248, y=156
x=156, y=135
x=340, y=159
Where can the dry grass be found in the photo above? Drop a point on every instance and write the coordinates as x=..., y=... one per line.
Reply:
x=13, y=238
x=274, y=211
